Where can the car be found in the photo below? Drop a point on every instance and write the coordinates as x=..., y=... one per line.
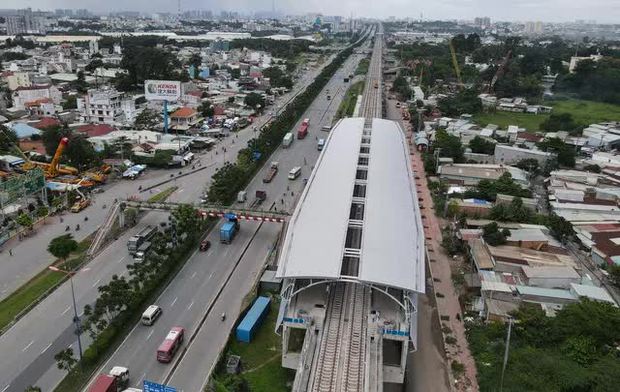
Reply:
x=205, y=245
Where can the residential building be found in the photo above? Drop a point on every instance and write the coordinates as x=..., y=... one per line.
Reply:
x=551, y=277
x=531, y=204
x=575, y=60
x=510, y=155
x=106, y=106
x=470, y=174
x=183, y=119
x=16, y=25
x=24, y=95
x=16, y=80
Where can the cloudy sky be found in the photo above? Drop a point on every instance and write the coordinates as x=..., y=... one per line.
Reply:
x=514, y=10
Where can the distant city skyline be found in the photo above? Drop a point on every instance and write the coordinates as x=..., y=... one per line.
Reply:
x=603, y=11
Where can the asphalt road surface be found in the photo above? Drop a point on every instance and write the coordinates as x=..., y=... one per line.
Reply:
x=229, y=268
x=29, y=346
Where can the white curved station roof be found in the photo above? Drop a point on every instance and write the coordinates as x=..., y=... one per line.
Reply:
x=392, y=243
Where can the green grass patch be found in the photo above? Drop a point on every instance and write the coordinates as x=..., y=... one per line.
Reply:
x=163, y=195
x=584, y=113
x=362, y=67
x=347, y=106
x=24, y=297
x=261, y=360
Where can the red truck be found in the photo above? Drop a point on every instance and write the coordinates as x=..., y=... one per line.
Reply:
x=117, y=380
x=271, y=173
x=303, y=129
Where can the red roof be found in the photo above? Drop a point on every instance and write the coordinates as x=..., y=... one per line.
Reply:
x=46, y=122
x=195, y=93
x=37, y=102
x=184, y=112
x=95, y=129
x=530, y=137
x=37, y=87
x=218, y=110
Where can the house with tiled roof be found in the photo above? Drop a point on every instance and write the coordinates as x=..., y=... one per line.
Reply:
x=46, y=122
x=93, y=130
x=183, y=118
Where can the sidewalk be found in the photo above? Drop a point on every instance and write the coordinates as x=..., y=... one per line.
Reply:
x=448, y=305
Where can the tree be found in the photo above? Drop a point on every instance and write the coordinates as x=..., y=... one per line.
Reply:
x=255, y=101
x=93, y=65
x=401, y=87
x=466, y=101
x=592, y=168
x=448, y=145
x=505, y=185
x=561, y=122
x=62, y=246
x=70, y=102
x=42, y=211
x=142, y=62
x=560, y=227
x=479, y=145
x=206, y=109
x=614, y=274
x=147, y=119
x=8, y=139
x=65, y=360
x=277, y=78
x=565, y=153
x=24, y=220
x=493, y=236
x=528, y=164
x=32, y=388
x=79, y=151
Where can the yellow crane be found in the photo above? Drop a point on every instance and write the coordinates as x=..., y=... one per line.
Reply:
x=455, y=64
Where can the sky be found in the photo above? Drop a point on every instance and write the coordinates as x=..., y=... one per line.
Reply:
x=603, y=11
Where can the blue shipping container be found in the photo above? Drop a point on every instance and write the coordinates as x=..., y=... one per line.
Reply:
x=253, y=319
x=227, y=232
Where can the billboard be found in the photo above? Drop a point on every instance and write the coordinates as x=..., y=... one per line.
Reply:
x=169, y=90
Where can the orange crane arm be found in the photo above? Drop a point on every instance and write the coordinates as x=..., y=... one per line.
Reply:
x=53, y=168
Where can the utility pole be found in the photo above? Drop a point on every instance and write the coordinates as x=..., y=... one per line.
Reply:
x=501, y=385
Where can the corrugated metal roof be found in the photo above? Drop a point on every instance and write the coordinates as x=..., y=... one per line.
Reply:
x=392, y=248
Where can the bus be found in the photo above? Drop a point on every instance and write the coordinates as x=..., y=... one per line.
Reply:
x=170, y=345
x=294, y=173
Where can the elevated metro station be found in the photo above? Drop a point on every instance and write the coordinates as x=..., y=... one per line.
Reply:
x=352, y=263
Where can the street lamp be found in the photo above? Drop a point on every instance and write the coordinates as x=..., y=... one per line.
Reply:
x=76, y=319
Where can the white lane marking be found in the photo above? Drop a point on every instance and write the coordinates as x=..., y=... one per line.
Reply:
x=46, y=347
x=140, y=380
x=174, y=302
x=150, y=334
x=121, y=259
x=193, y=275
x=70, y=346
x=28, y=346
x=5, y=388
x=66, y=310
x=97, y=282
x=190, y=305
x=180, y=190
x=210, y=276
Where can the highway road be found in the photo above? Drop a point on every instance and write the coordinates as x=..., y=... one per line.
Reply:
x=191, y=302
x=29, y=346
x=196, y=365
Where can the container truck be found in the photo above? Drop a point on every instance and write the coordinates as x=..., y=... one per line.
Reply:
x=259, y=198
x=229, y=229
x=144, y=235
x=288, y=139
x=271, y=173
x=303, y=129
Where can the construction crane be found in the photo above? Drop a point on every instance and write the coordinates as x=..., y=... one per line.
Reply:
x=500, y=71
x=52, y=169
x=455, y=64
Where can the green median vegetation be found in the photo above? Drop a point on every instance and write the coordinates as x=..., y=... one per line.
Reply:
x=233, y=177
x=347, y=106
x=122, y=300
x=261, y=361
x=163, y=195
x=42, y=284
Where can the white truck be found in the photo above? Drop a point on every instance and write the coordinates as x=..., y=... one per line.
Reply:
x=288, y=139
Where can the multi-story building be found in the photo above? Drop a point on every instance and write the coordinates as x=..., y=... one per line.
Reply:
x=16, y=80
x=16, y=25
x=106, y=106
x=24, y=95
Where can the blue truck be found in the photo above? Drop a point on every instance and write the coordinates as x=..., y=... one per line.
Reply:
x=229, y=229
x=253, y=320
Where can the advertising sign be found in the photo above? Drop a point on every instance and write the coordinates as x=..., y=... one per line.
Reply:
x=162, y=90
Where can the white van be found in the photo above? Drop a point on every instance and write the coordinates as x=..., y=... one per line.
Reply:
x=294, y=173
x=151, y=314
x=288, y=139
x=320, y=144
